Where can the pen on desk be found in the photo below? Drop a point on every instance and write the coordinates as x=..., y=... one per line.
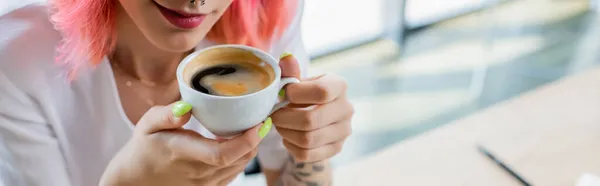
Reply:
x=502, y=165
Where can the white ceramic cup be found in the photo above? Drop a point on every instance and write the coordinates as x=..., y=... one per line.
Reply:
x=227, y=116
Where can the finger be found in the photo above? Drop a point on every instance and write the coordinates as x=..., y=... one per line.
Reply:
x=221, y=175
x=189, y=145
x=289, y=66
x=244, y=160
x=320, y=90
x=198, y=170
x=164, y=117
x=231, y=150
x=309, y=119
x=317, y=138
x=228, y=180
x=313, y=155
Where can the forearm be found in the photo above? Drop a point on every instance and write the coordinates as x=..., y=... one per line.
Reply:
x=305, y=174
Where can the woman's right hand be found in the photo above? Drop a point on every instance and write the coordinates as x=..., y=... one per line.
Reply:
x=162, y=153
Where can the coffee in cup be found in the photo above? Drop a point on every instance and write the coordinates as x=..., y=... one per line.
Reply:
x=231, y=88
x=219, y=73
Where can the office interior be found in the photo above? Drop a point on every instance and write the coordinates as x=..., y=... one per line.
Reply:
x=446, y=60
x=417, y=66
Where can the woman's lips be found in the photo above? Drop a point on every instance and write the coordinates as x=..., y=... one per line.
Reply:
x=181, y=19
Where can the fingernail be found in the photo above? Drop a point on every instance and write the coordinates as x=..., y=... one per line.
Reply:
x=282, y=93
x=284, y=55
x=264, y=130
x=181, y=108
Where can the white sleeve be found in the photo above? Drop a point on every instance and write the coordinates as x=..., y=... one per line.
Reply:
x=271, y=152
x=29, y=152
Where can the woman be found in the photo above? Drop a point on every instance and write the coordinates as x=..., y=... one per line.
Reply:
x=105, y=114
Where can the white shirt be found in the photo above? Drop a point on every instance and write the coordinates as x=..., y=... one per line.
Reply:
x=59, y=133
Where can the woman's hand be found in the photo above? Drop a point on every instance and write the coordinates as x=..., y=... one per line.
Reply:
x=162, y=153
x=316, y=124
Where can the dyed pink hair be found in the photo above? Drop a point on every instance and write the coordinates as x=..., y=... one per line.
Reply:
x=89, y=30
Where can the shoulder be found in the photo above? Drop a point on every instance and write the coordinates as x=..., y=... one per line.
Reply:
x=27, y=47
x=294, y=27
x=299, y=13
x=291, y=41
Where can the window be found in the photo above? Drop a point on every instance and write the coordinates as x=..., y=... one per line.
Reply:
x=335, y=24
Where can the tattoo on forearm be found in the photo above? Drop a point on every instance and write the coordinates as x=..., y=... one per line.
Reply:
x=318, y=168
x=296, y=177
x=305, y=174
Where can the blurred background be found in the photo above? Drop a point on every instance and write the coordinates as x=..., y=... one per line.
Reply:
x=415, y=65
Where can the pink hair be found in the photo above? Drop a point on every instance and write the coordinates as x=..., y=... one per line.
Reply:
x=253, y=22
x=89, y=31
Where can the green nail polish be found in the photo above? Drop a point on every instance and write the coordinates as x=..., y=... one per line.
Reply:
x=282, y=93
x=284, y=55
x=181, y=108
x=264, y=130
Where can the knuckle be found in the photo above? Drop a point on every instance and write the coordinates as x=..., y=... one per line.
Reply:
x=351, y=108
x=153, y=111
x=166, y=118
x=349, y=131
x=197, y=174
x=247, y=144
x=306, y=140
x=321, y=93
x=343, y=83
x=250, y=142
x=292, y=93
x=218, y=160
x=223, y=161
x=249, y=156
x=337, y=148
x=307, y=117
x=175, y=157
x=311, y=118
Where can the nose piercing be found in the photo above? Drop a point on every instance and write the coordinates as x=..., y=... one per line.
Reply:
x=193, y=2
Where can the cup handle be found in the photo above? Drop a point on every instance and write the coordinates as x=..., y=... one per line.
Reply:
x=282, y=84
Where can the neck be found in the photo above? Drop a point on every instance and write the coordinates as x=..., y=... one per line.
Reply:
x=138, y=57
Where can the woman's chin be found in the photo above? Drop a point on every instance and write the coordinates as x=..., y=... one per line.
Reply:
x=177, y=47
x=178, y=43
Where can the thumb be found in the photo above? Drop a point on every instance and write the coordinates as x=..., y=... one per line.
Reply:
x=233, y=149
x=159, y=118
x=289, y=65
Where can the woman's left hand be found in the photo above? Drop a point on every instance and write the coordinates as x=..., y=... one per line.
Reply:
x=317, y=122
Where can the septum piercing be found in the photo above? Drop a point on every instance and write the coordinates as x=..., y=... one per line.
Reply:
x=193, y=2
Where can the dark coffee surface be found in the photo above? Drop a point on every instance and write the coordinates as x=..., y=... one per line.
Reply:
x=230, y=80
x=217, y=70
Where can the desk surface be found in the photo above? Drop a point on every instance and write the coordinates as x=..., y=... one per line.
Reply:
x=550, y=136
